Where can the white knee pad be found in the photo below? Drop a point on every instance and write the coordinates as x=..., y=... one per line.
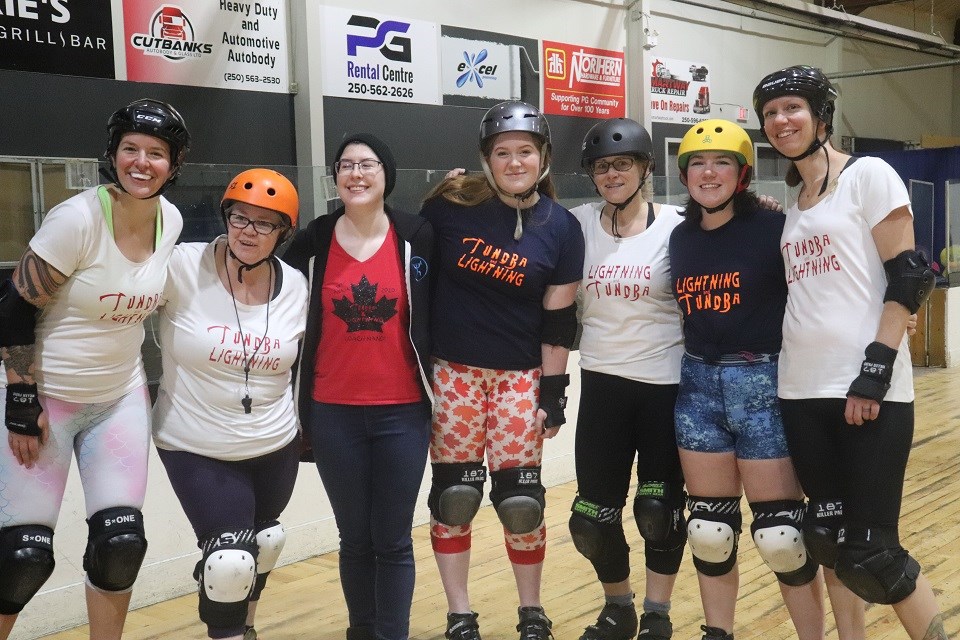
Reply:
x=228, y=575
x=781, y=547
x=270, y=542
x=711, y=541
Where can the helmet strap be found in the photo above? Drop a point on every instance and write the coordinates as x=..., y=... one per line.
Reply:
x=520, y=197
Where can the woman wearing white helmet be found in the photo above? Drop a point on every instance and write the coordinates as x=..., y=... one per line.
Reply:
x=509, y=259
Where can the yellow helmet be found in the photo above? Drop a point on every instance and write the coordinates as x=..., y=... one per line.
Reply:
x=718, y=135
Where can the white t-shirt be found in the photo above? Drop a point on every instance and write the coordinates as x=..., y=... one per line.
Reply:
x=631, y=321
x=836, y=284
x=89, y=335
x=199, y=407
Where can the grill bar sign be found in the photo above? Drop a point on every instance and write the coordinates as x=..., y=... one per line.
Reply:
x=583, y=81
x=375, y=57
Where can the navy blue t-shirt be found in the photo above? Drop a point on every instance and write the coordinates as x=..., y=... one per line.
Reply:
x=730, y=285
x=488, y=301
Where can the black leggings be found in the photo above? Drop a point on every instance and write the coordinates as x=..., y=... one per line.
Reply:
x=862, y=466
x=620, y=419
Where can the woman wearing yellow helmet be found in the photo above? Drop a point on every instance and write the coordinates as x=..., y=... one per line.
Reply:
x=728, y=280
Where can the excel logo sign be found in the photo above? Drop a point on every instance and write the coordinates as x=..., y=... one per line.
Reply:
x=472, y=69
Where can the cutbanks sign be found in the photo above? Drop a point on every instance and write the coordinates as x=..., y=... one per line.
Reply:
x=376, y=57
x=229, y=45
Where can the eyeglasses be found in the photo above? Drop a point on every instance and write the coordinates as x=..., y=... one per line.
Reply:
x=367, y=167
x=600, y=167
x=262, y=227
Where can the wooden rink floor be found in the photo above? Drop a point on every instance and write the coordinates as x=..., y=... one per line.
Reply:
x=304, y=600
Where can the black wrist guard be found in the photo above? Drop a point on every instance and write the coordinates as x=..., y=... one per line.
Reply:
x=23, y=409
x=875, y=372
x=552, y=399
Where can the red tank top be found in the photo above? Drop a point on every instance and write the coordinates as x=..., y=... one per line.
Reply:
x=365, y=356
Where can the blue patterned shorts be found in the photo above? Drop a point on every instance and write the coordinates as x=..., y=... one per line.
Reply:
x=730, y=407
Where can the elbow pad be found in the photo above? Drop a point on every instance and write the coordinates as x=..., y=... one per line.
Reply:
x=18, y=318
x=560, y=326
x=910, y=280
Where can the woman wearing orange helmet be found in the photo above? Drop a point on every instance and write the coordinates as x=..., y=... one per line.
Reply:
x=732, y=294
x=224, y=422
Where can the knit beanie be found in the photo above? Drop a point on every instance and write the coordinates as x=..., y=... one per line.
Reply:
x=382, y=151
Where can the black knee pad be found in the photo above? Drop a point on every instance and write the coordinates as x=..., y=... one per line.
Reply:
x=776, y=530
x=116, y=546
x=658, y=512
x=822, y=523
x=873, y=565
x=456, y=492
x=714, y=533
x=597, y=533
x=26, y=562
x=226, y=575
x=519, y=498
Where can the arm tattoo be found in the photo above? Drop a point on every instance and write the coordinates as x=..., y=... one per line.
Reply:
x=935, y=630
x=19, y=363
x=36, y=280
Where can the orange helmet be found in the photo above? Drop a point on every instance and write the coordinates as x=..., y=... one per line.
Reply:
x=264, y=188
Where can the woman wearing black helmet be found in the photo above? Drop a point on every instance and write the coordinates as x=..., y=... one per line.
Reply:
x=71, y=330
x=509, y=261
x=630, y=350
x=846, y=387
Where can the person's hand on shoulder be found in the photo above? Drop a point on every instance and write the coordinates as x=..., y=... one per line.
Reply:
x=771, y=203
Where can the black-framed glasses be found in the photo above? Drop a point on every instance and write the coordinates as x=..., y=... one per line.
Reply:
x=367, y=167
x=262, y=227
x=600, y=167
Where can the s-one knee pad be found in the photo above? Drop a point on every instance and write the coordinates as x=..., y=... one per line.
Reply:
x=26, y=562
x=713, y=533
x=116, y=547
x=597, y=533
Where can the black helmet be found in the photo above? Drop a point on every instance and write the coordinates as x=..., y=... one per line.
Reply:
x=154, y=118
x=800, y=80
x=616, y=137
x=514, y=115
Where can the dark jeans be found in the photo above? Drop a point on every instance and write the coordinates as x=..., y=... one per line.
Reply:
x=371, y=461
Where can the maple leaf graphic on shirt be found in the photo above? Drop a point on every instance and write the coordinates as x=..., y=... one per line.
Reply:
x=365, y=313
